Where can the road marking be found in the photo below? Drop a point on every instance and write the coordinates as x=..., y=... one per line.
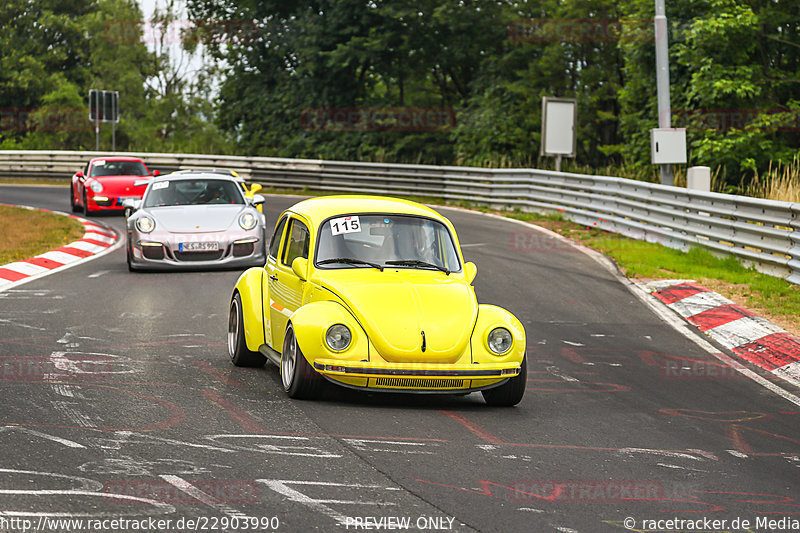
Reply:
x=98, y=274
x=65, y=442
x=473, y=428
x=266, y=447
x=239, y=415
x=187, y=488
x=219, y=375
x=321, y=506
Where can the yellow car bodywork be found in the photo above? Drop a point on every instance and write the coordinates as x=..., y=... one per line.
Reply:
x=412, y=329
x=250, y=192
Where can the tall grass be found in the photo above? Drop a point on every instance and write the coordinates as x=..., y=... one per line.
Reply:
x=781, y=182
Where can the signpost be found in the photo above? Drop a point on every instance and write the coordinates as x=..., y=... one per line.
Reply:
x=104, y=107
x=559, y=118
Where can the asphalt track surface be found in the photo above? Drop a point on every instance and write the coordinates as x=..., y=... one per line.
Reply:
x=119, y=402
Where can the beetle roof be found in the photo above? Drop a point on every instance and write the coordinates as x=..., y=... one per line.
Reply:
x=322, y=208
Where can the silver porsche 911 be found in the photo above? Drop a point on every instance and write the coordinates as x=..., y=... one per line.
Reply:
x=195, y=220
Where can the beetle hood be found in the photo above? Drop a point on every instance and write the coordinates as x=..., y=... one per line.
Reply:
x=396, y=307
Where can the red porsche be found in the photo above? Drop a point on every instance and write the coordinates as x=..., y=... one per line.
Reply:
x=106, y=182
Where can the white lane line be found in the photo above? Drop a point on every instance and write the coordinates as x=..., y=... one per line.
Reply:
x=282, y=487
x=98, y=274
x=65, y=442
x=187, y=488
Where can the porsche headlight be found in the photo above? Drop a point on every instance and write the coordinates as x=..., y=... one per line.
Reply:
x=145, y=224
x=247, y=221
x=338, y=337
x=96, y=186
x=499, y=340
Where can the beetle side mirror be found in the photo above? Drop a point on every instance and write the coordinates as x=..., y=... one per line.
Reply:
x=255, y=187
x=300, y=267
x=470, y=271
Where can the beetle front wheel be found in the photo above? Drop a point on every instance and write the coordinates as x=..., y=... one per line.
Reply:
x=509, y=393
x=299, y=380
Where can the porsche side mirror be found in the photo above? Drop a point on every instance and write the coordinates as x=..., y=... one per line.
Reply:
x=79, y=174
x=258, y=199
x=300, y=267
x=156, y=173
x=470, y=271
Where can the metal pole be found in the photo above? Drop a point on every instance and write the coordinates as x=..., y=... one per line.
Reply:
x=662, y=80
x=558, y=163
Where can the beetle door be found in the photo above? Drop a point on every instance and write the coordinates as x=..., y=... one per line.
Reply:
x=285, y=288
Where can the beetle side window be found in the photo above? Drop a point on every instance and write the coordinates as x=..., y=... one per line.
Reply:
x=297, y=243
x=274, y=244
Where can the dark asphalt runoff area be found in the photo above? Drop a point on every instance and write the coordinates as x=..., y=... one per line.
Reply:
x=119, y=402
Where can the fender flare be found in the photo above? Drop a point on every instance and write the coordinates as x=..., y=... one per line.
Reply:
x=311, y=322
x=249, y=288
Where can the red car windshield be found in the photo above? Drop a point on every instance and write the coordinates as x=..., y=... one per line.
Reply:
x=117, y=168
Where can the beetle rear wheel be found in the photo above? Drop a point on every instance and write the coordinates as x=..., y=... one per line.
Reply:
x=299, y=380
x=237, y=346
x=509, y=393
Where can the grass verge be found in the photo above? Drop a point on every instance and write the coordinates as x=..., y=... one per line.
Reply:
x=25, y=233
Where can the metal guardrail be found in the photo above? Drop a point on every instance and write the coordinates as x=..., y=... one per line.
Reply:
x=764, y=233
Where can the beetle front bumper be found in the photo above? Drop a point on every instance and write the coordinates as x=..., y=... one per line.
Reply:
x=421, y=378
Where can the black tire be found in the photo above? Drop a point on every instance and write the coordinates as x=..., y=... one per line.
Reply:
x=72, y=204
x=300, y=381
x=128, y=257
x=237, y=347
x=86, y=212
x=509, y=393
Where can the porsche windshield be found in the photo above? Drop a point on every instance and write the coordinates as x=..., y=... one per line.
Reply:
x=193, y=192
x=386, y=241
x=118, y=168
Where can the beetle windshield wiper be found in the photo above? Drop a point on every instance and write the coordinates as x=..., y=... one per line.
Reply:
x=350, y=261
x=417, y=262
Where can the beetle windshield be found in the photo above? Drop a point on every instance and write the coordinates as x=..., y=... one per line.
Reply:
x=396, y=241
x=193, y=192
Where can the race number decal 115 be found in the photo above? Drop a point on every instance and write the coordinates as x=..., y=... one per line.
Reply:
x=345, y=225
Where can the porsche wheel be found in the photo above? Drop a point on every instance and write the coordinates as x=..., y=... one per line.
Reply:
x=128, y=257
x=85, y=205
x=299, y=380
x=237, y=347
x=509, y=393
x=72, y=204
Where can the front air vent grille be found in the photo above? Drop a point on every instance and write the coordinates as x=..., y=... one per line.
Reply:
x=419, y=383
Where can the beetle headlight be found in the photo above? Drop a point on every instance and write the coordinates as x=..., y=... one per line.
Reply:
x=96, y=186
x=145, y=224
x=338, y=337
x=499, y=340
x=247, y=221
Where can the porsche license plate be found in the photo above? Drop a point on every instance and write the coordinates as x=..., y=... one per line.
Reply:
x=198, y=247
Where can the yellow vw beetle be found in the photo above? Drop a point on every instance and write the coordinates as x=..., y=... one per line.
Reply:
x=373, y=293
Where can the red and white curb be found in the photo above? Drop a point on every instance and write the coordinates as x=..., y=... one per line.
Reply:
x=97, y=239
x=750, y=337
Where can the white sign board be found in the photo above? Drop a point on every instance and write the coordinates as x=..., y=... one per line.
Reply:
x=668, y=146
x=559, y=117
